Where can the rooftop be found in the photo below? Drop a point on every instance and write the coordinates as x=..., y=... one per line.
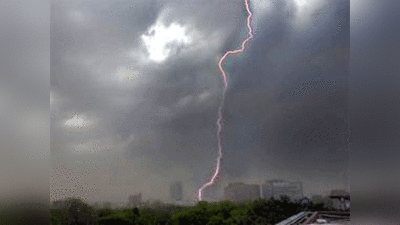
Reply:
x=320, y=217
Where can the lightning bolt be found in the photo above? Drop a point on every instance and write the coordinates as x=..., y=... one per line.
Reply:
x=225, y=80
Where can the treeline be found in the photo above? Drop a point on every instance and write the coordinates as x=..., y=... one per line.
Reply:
x=261, y=211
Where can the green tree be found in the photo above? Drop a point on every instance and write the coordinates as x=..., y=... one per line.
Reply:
x=105, y=210
x=153, y=216
x=56, y=216
x=271, y=211
x=73, y=211
x=196, y=215
x=237, y=216
x=113, y=221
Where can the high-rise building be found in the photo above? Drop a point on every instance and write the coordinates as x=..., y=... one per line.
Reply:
x=277, y=188
x=176, y=191
x=240, y=191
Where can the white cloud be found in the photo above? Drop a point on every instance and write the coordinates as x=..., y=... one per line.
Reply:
x=203, y=96
x=303, y=18
x=184, y=101
x=126, y=74
x=301, y=3
x=307, y=12
x=161, y=40
x=81, y=126
x=76, y=121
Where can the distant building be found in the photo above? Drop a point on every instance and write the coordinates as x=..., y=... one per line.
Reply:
x=176, y=191
x=135, y=200
x=277, y=188
x=241, y=192
x=341, y=199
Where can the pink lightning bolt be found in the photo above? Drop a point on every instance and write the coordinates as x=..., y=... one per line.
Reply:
x=225, y=80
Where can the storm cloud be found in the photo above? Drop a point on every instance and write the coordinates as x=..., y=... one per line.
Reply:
x=146, y=123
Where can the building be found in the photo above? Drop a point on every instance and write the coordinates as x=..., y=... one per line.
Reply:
x=134, y=200
x=240, y=191
x=176, y=191
x=277, y=188
x=341, y=199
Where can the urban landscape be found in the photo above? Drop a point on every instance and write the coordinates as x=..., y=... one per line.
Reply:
x=200, y=112
x=276, y=201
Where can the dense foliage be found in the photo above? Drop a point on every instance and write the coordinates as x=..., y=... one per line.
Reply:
x=261, y=211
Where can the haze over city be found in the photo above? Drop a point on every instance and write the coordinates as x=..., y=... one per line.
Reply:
x=135, y=91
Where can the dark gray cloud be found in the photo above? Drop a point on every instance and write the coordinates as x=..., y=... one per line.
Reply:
x=289, y=100
x=161, y=124
x=373, y=112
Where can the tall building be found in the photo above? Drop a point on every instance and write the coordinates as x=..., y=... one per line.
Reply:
x=240, y=191
x=176, y=191
x=277, y=188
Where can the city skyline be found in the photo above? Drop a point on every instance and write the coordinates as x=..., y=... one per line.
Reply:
x=177, y=188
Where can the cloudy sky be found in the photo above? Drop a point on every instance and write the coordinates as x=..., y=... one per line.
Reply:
x=135, y=90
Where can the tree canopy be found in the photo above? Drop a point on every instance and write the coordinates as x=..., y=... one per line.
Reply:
x=260, y=211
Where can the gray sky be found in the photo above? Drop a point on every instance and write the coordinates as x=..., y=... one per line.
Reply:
x=24, y=111
x=131, y=112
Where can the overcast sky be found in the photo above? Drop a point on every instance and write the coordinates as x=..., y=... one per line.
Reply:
x=135, y=90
